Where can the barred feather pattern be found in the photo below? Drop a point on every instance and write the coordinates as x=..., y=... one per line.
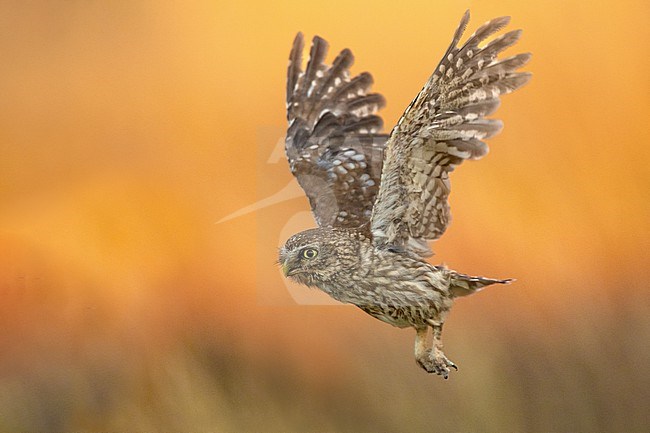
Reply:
x=443, y=126
x=333, y=143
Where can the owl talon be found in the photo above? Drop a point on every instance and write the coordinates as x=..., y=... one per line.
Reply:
x=434, y=361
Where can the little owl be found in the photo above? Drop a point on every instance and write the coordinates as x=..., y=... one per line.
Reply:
x=378, y=199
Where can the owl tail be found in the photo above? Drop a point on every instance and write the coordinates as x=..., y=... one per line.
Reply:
x=463, y=285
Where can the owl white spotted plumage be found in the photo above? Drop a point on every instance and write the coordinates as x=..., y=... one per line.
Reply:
x=378, y=199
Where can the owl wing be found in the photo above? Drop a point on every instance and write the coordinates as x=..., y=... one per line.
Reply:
x=333, y=142
x=443, y=126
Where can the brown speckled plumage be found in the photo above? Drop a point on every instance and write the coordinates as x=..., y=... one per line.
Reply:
x=379, y=199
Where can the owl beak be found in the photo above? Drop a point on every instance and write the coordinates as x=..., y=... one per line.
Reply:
x=285, y=268
x=289, y=270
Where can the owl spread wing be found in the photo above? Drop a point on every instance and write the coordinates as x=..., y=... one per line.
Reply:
x=443, y=126
x=333, y=142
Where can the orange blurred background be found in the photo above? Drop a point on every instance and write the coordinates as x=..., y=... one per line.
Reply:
x=128, y=129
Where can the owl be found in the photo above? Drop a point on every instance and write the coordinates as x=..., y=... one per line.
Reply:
x=378, y=199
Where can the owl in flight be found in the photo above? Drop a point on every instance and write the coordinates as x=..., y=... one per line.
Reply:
x=378, y=199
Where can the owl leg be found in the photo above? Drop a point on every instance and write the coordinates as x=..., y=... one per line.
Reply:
x=440, y=361
x=421, y=350
x=432, y=359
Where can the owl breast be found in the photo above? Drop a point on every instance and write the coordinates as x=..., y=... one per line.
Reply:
x=393, y=288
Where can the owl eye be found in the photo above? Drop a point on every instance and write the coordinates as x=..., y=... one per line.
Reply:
x=309, y=253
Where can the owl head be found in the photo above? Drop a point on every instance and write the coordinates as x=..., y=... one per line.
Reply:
x=316, y=255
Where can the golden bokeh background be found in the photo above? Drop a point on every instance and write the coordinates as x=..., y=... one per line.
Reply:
x=128, y=129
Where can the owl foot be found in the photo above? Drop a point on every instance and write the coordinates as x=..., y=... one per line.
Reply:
x=434, y=361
